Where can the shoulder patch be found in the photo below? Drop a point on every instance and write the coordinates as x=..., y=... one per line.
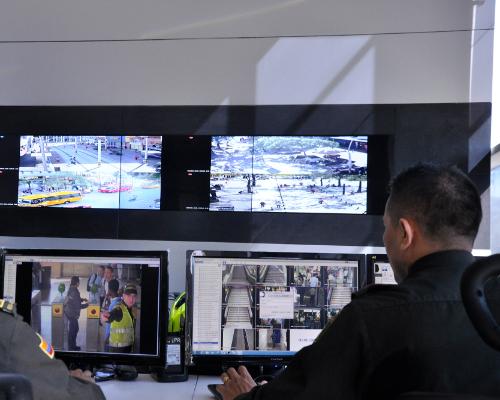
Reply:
x=7, y=307
x=47, y=349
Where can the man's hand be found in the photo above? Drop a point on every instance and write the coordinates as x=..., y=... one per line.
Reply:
x=83, y=375
x=104, y=316
x=235, y=383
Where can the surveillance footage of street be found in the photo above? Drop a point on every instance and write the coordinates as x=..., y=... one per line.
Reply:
x=313, y=174
x=90, y=171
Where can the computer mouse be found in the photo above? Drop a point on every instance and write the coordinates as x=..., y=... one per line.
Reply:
x=213, y=389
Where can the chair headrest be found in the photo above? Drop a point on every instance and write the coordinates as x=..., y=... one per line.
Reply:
x=475, y=302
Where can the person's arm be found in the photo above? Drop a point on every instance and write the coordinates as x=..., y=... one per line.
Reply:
x=79, y=302
x=115, y=314
x=29, y=355
x=84, y=303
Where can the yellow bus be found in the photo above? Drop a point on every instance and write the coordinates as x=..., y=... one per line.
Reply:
x=49, y=199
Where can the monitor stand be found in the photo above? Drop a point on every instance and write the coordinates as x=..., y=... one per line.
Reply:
x=164, y=375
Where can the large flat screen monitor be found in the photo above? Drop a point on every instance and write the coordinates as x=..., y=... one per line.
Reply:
x=306, y=174
x=82, y=171
x=92, y=306
x=264, y=307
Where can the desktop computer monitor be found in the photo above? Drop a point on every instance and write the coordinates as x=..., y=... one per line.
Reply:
x=93, y=307
x=379, y=269
x=261, y=308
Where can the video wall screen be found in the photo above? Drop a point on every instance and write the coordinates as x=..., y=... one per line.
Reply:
x=264, y=174
x=306, y=174
x=86, y=172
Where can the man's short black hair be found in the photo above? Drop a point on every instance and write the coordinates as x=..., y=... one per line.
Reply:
x=441, y=199
x=113, y=285
x=75, y=280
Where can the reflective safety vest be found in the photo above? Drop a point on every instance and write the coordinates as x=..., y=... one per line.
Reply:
x=121, y=333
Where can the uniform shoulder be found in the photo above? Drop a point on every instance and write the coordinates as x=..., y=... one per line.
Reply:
x=375, y=289
x=381, y=295
x=7, y=307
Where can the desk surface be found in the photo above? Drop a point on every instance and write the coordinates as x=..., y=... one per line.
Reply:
x=146, y=388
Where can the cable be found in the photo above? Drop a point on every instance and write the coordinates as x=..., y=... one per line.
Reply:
x=195, y=385
x=236, y=37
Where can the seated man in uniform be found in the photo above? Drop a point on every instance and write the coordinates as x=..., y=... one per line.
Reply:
x=23, y=351
x=415, y=336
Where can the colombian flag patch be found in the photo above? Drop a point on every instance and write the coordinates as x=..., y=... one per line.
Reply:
x=45, y=347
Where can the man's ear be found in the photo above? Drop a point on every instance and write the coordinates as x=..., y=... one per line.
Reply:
x=407, y=233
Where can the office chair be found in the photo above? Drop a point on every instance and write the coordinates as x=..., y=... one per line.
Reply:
x=15, y=387
x=473, y=284
x=472, y=287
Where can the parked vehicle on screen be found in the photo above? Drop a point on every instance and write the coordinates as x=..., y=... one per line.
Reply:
x=50, y=199
x=114, y=188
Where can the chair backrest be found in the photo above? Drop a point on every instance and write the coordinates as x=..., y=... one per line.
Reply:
x=15, y=387
x=473, y=284
x=472, y=289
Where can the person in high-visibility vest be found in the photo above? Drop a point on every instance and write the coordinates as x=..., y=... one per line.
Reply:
x=122, y=322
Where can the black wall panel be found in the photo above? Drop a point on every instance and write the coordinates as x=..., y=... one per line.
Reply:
x=415, y=132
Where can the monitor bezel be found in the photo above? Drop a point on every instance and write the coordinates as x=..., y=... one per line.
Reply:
x=214, y=363
x=96, y=359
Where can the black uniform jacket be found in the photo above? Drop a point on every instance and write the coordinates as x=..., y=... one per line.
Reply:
x=73, y=303
x=415, y=336
x=22, y=352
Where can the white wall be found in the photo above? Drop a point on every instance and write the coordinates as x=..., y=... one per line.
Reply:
x=238, y=52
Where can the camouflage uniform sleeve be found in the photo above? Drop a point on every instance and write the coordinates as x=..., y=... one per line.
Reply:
x=28, y=354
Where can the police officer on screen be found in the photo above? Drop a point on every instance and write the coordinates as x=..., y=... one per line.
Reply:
x=122, y=322
x=23, y=351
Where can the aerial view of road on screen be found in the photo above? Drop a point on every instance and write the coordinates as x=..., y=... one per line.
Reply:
x=309, y=174
x=90, y=171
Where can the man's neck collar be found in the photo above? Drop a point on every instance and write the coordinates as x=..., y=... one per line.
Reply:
x=460, y=258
